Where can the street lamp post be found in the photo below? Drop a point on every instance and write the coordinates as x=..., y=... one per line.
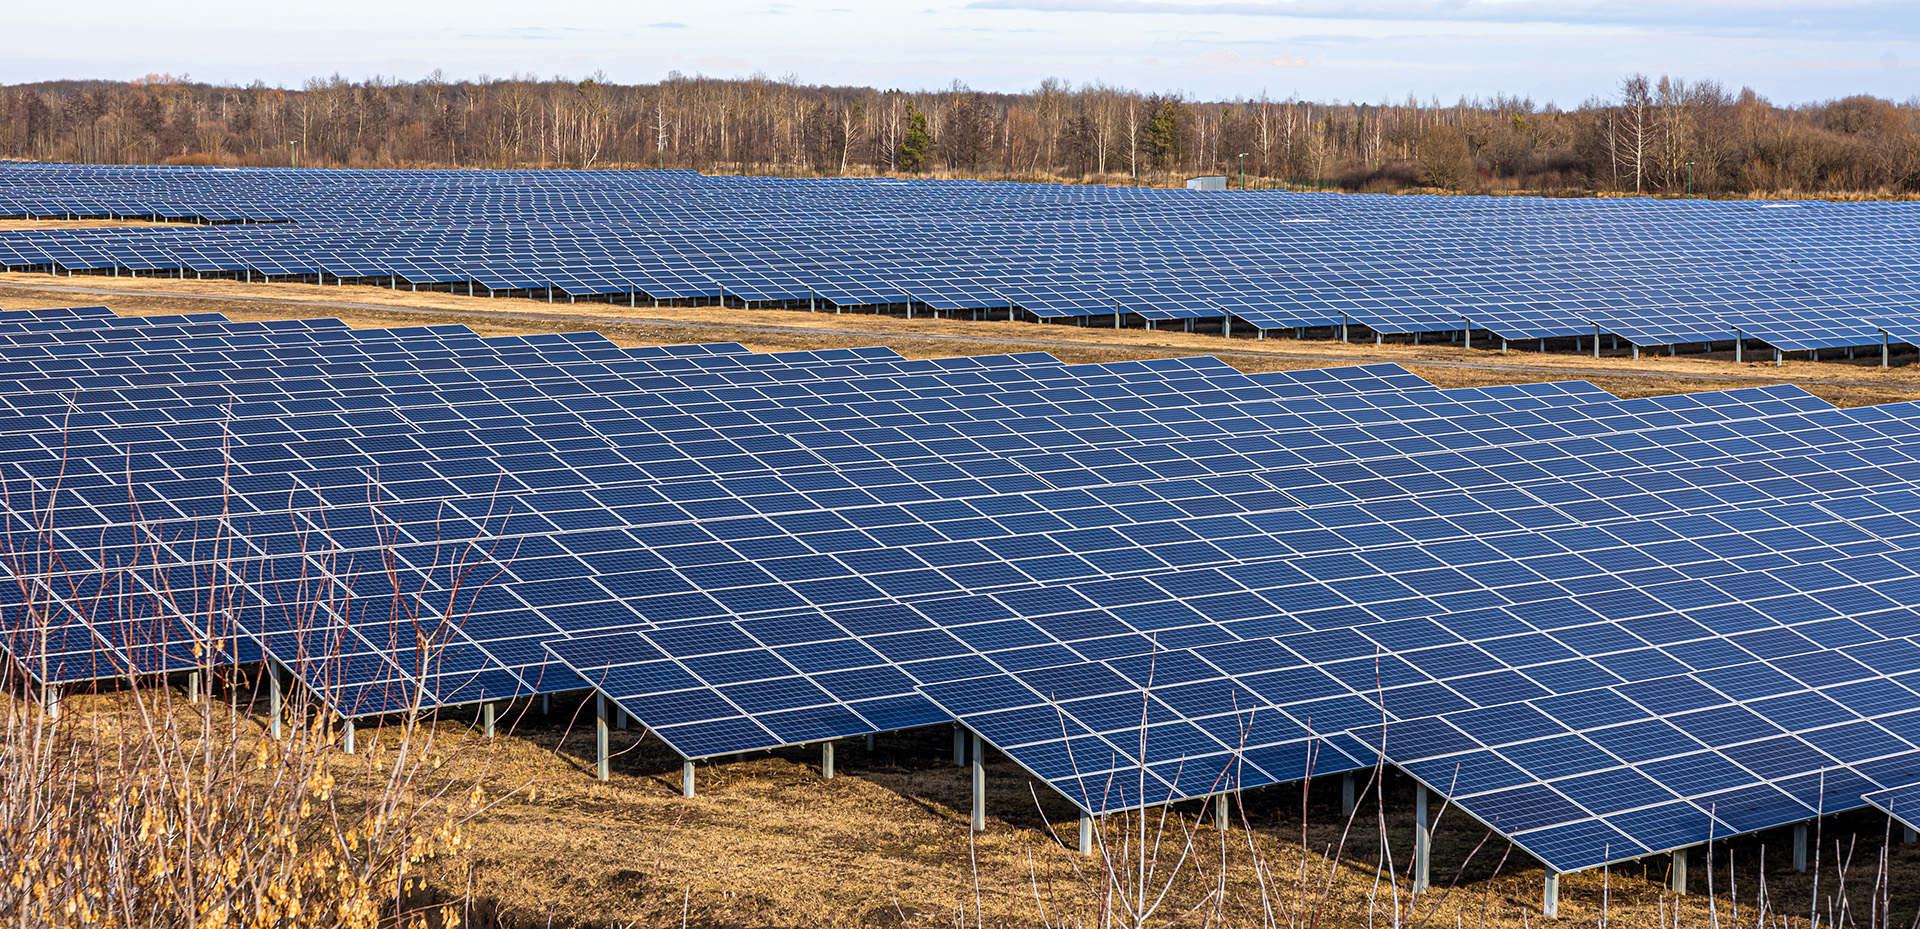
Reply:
x=1243, y=170
x=293, y=159
x=1689, y=180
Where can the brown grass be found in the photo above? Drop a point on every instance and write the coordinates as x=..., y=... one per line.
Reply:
x=768, y=842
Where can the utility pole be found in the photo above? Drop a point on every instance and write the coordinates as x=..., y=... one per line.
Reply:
x=1689, y=180
x=1243, y=170
x=293, y=157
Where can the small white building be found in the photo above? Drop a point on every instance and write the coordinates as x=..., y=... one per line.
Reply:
x=1207, y=182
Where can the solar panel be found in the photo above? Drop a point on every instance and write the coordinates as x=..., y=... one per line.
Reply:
x=1652, y=272
x=1604, y=627
x=1900, y=802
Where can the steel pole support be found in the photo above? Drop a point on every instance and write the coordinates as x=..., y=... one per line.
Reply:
x=979, y=785
x=274, y=699
x=600, y=766
x=1422, y=840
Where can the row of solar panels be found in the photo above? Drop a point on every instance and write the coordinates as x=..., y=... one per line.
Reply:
x=1868, y=312
x=1604, y=627
x=1795, y=276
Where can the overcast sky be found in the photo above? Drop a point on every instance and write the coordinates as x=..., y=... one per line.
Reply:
x=1561, y=51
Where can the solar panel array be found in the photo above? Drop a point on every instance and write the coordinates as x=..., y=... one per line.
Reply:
x=1795, y=275
x=1605, y=627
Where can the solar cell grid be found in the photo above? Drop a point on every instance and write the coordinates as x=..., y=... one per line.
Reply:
x=1535, y=268
x=357, y=481
x=1605, y=627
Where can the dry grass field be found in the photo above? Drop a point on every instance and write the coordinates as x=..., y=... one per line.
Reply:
x=769, y=842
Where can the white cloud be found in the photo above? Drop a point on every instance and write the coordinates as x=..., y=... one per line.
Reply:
x=1551, y=50
x=1228, y=58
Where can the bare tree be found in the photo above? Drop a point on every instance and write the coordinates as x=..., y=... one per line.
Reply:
x=1637, y=127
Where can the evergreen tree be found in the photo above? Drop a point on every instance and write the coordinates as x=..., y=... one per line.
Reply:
x=1163, y=135
x=917, y=142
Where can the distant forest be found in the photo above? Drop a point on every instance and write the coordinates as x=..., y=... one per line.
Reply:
x=1660, y=136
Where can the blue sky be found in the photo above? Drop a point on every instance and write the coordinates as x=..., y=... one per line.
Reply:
x=1367, y=50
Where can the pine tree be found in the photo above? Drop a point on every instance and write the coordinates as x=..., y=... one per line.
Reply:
x=1163, y=135
x=916, y=142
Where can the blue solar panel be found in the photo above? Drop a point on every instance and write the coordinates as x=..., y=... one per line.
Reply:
x=1652, y=272
x=1605, y=627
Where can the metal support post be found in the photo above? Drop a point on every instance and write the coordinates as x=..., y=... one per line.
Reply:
x=959, y=746
x=1677, y=873
x=600, y=766
x=193, y=687
x=1883, y=348
x=546, y=704
x=1739, y=350
x=1776, y=358
x=686, y=779
x=1596, y=343
x=979, y=785
x=51, y=698
x=1800, y=847
x=273, y=700
x=486, y=719
x=1422, y=839
x=870, y=741
x=1908, y=835
x=620, y=713
x=346, y=734
x=1086, y=833
x=1550, y=901
x=1636, y=352
x=1343, y=327
x=1226, y=326
x=1222, y=811
x=1347, y=800
x=826, y=760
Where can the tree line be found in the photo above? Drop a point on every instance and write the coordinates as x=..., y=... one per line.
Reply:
x=1663, y=136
